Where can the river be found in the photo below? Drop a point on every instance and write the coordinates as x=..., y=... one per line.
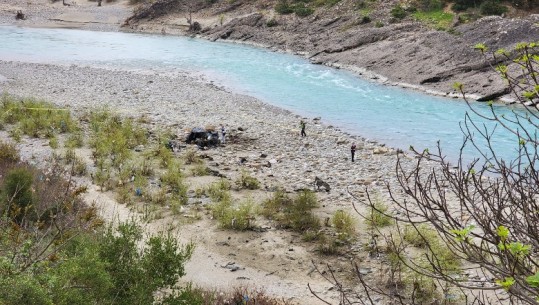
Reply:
x=391, y=115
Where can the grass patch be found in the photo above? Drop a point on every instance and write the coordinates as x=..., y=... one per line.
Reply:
x=326, y=2
x=35, y=118
x=75, y=140
x=124, y=195
x=240, y=217
x=293, y=213
x=328, y=245
x=426, y=238
x=219, y=191
x=78, y=167
x=200, y=170
x=438, y=19
x=53, y=142
x=344, y=225
x=174, y=182
x=246, y=181
x=164, y=155
x=113, y=137
x=377, y=215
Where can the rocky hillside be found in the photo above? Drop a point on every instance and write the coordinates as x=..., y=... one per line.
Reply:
x=394, y=41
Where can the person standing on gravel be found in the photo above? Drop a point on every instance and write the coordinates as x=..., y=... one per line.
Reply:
x=223, y=134
x=302, y=126
x=353, y=151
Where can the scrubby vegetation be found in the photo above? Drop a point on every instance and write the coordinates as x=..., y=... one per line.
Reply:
x=35, y=118
x=246, y=181
x=52, y=246
x=438, y=13
x=293, y=213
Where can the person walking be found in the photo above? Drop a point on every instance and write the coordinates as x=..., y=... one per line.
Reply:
x=353, y=151
x=223, y=134
x=302, y=125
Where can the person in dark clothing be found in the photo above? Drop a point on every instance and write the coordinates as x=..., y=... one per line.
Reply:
x=353, y=151
x=302, y=125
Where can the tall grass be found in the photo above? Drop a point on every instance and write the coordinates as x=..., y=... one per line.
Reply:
x=293, y=213
x=438, y=19
x=35, y=118
x=344, y=225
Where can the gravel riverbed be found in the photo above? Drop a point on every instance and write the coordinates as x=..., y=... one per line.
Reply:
x=180, y=102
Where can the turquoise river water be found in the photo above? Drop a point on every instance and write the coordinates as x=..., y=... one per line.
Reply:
x=391, y=115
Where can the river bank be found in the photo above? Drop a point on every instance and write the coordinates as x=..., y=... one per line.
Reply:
x=271, y=146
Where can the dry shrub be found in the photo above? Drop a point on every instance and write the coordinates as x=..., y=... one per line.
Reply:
x=8, y=152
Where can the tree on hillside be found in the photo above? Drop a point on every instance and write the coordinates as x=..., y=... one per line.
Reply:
x=466, y=233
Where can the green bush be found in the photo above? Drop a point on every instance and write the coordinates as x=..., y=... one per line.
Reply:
x=398, y=12
x=326, y=2
x=219, y=191
x=492, y=7
x=23, y=289
x=275, y=205
x=174, y=181
x=295, y=214
x=302, y=10
x=165, y=155
x=53, y=142
x=327, y=245
x=283, y=7
x=75, y=140
x=17, y=195
x=113, y=137
x=430, y=5
x=136, y=275
x=78, y=167
x=272, y=22
x=70, y=155
x=426, y=238
x=246, y=181
x=377, y=214
x=239, y=218
x=124, y=195
x=344, y=225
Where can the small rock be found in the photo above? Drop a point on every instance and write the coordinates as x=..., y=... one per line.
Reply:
x=365, y=271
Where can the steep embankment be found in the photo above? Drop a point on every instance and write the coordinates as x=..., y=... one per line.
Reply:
x=399, y=51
